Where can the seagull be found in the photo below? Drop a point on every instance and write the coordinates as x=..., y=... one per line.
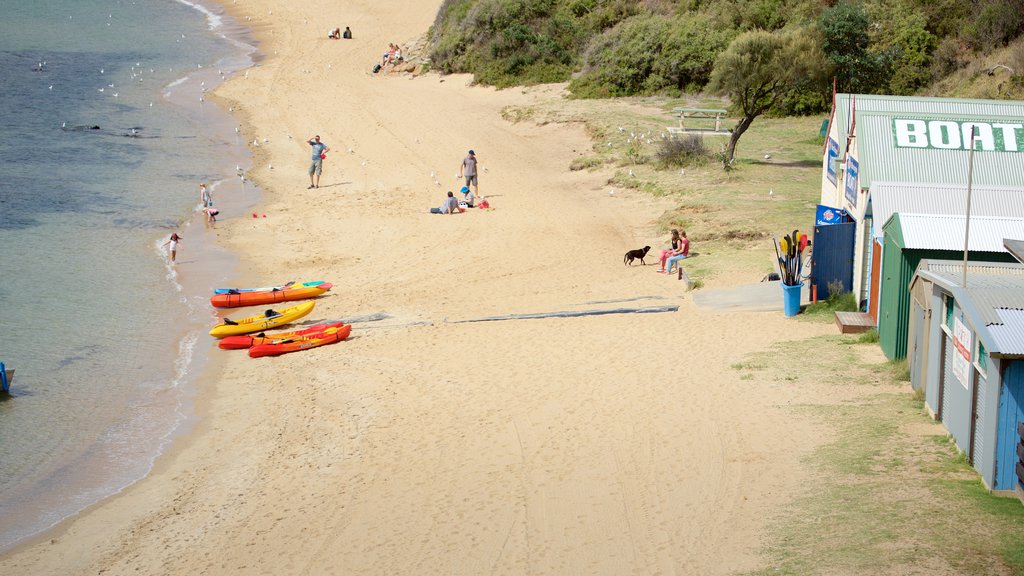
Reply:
x=51, y=86
x=270, y=166
x=631, y=173
x=101, y=70
x=237, y=130
x=351, y=151
x=150, y=104
x=767, y=156
x=621, y=129
x=771, y=193
x=101, y=89
x=265, y=140
x=63, y=125
x=115, y=94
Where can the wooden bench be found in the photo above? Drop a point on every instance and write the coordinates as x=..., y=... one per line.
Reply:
x=708, y=113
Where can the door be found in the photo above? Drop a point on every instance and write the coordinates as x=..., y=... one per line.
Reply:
x=1011, y=414
x=876, y=279
x=832, y=257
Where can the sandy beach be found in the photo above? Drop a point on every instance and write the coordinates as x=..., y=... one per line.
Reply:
x=613, y=444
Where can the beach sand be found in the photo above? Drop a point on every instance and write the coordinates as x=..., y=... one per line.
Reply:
x=611, y=444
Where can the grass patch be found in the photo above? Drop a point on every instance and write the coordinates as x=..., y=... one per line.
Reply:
x=869, y=337
x=891, y=493
x=586, y=163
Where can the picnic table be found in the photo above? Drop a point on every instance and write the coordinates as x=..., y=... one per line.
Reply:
x=709, y=113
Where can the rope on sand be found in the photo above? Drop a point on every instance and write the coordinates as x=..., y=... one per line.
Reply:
x=572, y=314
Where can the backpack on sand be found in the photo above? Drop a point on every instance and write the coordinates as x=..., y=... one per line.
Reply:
x=376, y=68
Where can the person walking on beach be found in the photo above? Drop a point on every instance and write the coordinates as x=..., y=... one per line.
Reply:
x=468, y=168
x=316, y=167
x=173, y=241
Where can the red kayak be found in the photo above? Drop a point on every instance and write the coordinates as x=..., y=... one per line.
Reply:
x=262, y=297
x=278, y=347
x=250, y=340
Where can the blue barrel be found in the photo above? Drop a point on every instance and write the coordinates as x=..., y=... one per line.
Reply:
x=791, y=299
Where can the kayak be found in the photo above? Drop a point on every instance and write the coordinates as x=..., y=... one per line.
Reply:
x=269, y=319
x=278, y=347
x=266, y=288
x=268, y=296
x=248, y=341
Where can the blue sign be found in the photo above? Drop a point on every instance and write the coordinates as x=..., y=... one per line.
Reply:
x=830, y=165
x=828, y=215
x=852, y=184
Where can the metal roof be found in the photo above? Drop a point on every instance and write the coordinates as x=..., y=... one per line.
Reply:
x=880, y=158
x=1009, y=334
x=994, y=298
x=906, y=197
x=1015, y=247
x=946, y=232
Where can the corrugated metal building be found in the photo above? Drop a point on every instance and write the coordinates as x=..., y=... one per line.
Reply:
x=910, y=238
x=914, y=141
x=967, y=352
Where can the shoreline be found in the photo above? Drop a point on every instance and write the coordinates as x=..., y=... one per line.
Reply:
x=203, y=366
x=536, y=446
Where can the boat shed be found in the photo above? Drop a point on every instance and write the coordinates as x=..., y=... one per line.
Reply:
x=967, y=353
x=875, y=139
x=910, y=238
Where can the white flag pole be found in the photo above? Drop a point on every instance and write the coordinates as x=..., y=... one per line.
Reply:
x=967, y=218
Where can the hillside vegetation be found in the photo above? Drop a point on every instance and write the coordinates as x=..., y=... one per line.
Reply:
x=608, y=48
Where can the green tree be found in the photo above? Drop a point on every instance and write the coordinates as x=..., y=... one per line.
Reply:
x=844, y=29
x=759, y=68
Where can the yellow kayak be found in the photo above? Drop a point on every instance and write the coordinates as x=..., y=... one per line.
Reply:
x=269, y=319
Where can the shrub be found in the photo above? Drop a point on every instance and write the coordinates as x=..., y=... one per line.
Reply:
x=647, y=54
x=681, y=150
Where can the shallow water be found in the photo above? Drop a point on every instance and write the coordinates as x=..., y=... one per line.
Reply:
x=104, y=141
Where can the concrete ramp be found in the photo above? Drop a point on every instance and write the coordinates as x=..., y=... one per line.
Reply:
x=759, y=297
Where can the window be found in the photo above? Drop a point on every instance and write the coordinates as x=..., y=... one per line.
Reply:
x=948, y=323
x=981, y=362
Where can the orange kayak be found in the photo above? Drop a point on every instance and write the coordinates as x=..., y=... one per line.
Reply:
x=261, y=297
x=250, y=340
x=278, y=347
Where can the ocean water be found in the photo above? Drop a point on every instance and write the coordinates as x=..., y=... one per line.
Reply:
x=105, y=135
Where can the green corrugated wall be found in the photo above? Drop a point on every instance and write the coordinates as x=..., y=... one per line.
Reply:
x=898, y=267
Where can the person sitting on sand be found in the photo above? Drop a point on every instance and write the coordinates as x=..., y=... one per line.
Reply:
x=347, y=34
x=467, y=198
x=396, y=57
x=334, y=34
x=388, y=54
x=450, y=206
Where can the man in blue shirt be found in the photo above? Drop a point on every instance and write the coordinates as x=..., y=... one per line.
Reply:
x=317, y=166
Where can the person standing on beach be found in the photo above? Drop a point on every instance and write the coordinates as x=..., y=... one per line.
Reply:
x=205, y=196
x=173, y=241
x=316, y=167
x=468, y=168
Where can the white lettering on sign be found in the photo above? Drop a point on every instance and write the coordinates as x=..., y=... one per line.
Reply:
x=956, y=135
x=983, y=139
x=911, y=133
x=1009, y=135
x=943, y=134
